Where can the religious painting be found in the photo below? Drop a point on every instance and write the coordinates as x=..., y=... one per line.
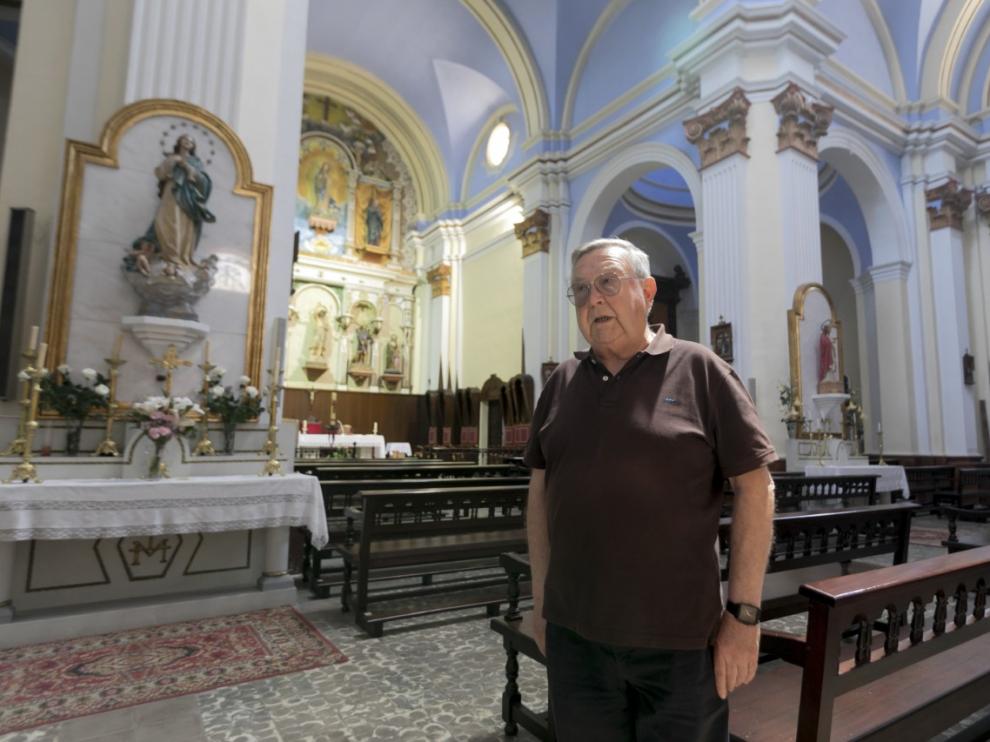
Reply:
x=721, y=339
x=374, y=219
x=322, y=195
x=546, y=371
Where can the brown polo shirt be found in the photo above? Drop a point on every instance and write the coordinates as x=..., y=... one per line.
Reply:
x=634, y=469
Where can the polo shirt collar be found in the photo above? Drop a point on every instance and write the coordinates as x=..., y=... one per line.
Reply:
x=661, y=343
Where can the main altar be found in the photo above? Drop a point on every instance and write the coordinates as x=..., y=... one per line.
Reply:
x=147, y=475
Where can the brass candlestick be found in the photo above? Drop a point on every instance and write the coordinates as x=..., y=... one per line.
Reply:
x=108, y=447
x=16, y=447
x=272, y=466
x=204, y=446
x=880, y=461
x=26, y=471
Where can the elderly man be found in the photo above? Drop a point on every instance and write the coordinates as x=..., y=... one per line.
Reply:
x=629, y=447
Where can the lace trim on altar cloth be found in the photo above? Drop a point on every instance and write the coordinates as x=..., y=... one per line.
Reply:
x=159, y=504
x=150, y=529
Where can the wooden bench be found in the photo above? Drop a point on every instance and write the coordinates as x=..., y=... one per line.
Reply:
x=925, y=481
x=971, y=541
x=430, y=532
x=405, y=471
x=338, y=496
x=972, y=489
x=928, y=669
x=802, y=540
x=795, y=492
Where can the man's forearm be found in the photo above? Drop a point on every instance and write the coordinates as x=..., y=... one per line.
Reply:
x=536, y=533
x=752, y=531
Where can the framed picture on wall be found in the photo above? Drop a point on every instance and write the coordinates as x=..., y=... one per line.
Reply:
x=721, y=338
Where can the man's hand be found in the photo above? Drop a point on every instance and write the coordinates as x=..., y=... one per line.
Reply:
x=736, y=648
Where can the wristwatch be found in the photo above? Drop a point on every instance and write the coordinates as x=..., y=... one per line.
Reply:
x=743, y=612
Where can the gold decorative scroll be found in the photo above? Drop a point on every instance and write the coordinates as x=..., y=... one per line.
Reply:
x=80, y=154
x=534, y=233
x=721, y=131
x=946, y=205
x=802, y=124
x=439, y=278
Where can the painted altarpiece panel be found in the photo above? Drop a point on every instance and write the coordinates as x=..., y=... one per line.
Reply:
x=322, y=195
x=374, y=223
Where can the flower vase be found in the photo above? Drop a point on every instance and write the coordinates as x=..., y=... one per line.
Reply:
x=158, y=469
x=229, y=432
x=73, y=435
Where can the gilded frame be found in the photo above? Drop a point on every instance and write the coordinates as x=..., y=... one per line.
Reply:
x=795, y=316
x=80, y=154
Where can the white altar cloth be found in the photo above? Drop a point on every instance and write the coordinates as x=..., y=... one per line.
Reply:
x=891, y=477
x=375, y=442
x=116, y=508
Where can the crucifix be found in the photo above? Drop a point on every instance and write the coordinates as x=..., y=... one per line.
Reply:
x=169, y=362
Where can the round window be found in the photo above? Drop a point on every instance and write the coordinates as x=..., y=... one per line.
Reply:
x=498, y=144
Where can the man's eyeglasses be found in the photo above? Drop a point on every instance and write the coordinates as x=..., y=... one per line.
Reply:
x=608, y=284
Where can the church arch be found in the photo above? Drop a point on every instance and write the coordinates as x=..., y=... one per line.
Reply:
x=519, y=58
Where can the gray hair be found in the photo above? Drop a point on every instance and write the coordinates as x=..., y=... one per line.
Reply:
x=638, y=260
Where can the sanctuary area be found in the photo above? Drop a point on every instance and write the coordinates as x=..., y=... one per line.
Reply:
x=291, y=292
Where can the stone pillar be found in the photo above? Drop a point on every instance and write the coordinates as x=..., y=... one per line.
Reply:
x=534, y=234
x=722, y=141
x=978, y=271
x=947, y=204
x=866, y=318
x=802, y=124
x=441, y=319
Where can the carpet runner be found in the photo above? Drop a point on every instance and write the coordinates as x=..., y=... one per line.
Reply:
x=49, y=682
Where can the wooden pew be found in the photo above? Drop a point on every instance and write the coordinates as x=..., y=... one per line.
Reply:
x=430, y=532
x=338, y=496
x=925, y=481
x=795, y=491
x=911, y=681
x=972, y=490
x=971, y=541
x=405, y=471
x=802, y=540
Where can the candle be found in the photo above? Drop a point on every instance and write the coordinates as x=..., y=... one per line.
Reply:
x=879, y=428
x=34, y=337
x=206, y=351
x=42, y=352
x=117, y=345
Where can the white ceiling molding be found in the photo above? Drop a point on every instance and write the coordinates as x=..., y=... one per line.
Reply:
x=889, y=49
x=943, y=48
x=969, y=72
x=519, y=57
x=355, y=87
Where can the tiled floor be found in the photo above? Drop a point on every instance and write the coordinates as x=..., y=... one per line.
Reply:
x=434, y=679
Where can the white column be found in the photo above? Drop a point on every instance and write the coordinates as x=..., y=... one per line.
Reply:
x=724, y=268
x=893, y=356
x=952, y=340
x=978, y=272
x=189, y=50
x=800, y=219
x=869, y=373
x=536, y=313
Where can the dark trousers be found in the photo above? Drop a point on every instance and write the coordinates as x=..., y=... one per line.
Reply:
x=602, y=693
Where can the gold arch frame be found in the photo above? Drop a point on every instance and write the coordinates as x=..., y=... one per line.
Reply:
x=80, y=154
x=795, y=315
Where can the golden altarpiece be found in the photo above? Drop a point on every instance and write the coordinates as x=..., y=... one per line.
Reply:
x=351, y=313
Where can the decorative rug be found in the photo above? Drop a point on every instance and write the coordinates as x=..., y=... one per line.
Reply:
x=54, y=681
x=929, y=536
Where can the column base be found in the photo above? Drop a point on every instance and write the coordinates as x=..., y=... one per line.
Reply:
x=279, y=581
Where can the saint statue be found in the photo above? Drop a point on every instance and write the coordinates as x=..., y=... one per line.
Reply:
x=373, y=221
x=362, y=354
x=321, y=332
x=320, y=181
x=183, y=190
x=393, y=355
x=828, y=360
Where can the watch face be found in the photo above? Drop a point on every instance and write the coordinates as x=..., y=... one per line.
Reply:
x=748, y=613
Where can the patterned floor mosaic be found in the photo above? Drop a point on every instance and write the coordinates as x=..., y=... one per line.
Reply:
x=430, y=680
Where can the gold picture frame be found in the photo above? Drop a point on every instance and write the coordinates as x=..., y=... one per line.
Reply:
x=79, y=155
x=796, y=317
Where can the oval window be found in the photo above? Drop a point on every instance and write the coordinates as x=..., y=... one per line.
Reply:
x=498, y=144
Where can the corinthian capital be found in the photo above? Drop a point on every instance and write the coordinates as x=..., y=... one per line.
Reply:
x=439, y=278
x=946, y=205
x=534, y=233
x=983, y=204
x=721, y=131
x=802, y=124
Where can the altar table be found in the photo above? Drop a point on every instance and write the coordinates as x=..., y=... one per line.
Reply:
x=374, y=443
x=892, y=478
x=174, y=515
